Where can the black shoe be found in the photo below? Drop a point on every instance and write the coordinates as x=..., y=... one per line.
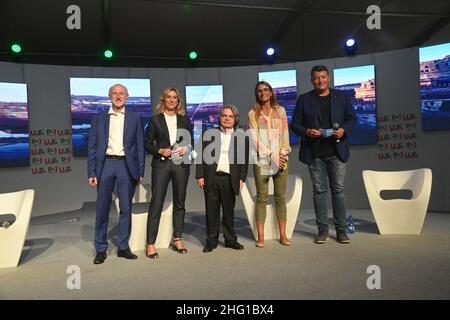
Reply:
x=126, y=253
x=100, y=257
x=322, y=237
x=153, y=255
x=234, y=245
x=175, y=248
x=209, y=248
x=341, y=237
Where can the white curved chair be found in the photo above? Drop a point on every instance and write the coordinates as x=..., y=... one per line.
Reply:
x=271, y=230
x=399, y=216
x=12, y=239
x=139, y=216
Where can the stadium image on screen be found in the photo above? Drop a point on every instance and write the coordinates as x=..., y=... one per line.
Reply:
x=203, y=105
x=435, y=87
x=14, y=134
x=359, y=83
x=89, y=96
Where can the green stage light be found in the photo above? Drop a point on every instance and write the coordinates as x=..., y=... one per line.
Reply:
x=193, y=55
x=108, y=54
x=16, y=48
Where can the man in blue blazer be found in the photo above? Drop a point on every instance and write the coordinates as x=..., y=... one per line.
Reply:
x=323, y=118
x=115, y=157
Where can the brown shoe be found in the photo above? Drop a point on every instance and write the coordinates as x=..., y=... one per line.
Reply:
x=322, y=237
x=341, y=237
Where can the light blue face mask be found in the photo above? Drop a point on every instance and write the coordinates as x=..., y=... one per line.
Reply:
x=326, y=133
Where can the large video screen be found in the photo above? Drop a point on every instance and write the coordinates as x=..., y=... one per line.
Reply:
x=435, y=87
x=359, y=82
x=14, y=134
x=284, y=84
x=203, y=105
x=89, y=96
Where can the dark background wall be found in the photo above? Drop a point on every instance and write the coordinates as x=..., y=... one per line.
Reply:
x=397, y=80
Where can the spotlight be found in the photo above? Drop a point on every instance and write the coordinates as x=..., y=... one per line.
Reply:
x=270, y=51
x=108, y=54
x=192, y=55
x=192, y=58
x=271, y=54
x=16, y=48
x=350, y=46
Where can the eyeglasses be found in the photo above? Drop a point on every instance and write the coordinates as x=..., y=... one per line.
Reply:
x=263, y=90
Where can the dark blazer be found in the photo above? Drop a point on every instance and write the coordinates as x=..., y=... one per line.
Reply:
x=133, y=143
x=237, y=171
x=307, y=116
x=157, y=137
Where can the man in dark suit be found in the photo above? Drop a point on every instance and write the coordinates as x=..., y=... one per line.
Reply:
x=115, y=157
x=324, y=118
x=221, y=175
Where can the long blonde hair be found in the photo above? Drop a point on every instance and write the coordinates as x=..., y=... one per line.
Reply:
x=161, y=107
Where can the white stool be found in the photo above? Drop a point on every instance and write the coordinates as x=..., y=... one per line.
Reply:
x=138, y=238
x=399, y=216
x=13, y=238
x=271, y=229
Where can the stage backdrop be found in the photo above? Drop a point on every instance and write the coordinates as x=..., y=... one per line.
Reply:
x=401, y=144
x=90, y=96
x=14, y=135
x=359, y=83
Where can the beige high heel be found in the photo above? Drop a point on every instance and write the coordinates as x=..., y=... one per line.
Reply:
x=259, y=244
x=285, y=242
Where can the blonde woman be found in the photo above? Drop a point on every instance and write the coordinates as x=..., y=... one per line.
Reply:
x=164, y=142
x=270, y=137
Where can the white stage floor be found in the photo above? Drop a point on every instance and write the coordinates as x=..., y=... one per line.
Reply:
x=412, y=267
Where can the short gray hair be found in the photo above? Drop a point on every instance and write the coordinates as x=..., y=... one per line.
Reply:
x=233, y=109
x=115, y=85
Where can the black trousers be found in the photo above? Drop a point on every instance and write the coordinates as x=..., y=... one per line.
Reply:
x=160, y=182
x=219, y=193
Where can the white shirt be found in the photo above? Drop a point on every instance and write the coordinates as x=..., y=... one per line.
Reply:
x=225, y=138
x=171, y=122
x=115, y=138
